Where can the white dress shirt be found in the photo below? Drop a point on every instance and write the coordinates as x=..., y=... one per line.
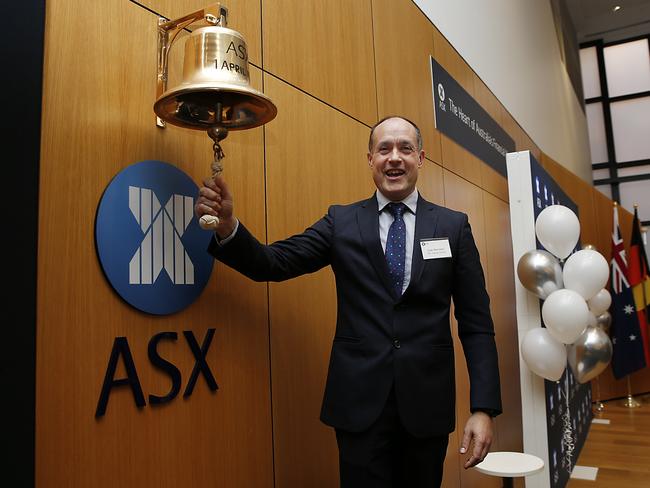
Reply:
x=386, y=219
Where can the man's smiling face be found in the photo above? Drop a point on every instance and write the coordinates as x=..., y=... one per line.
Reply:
x=395, y=158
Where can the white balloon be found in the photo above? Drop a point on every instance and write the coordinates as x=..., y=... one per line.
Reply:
x=558, y=229
x=600, y=302
x=586, y=272
x=591, y=319
x=545, y=356
x=565, y=314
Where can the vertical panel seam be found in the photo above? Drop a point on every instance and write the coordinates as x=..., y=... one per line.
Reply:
x=266, y=240
x=374, y=59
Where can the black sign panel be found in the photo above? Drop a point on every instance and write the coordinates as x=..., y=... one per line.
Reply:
x=568, y=403
x=463, y=120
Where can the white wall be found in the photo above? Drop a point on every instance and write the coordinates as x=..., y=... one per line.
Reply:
x=513, y=47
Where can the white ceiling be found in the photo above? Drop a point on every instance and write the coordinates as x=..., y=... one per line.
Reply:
x=595, y=19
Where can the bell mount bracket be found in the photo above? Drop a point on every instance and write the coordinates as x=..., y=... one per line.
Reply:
x=168, y=30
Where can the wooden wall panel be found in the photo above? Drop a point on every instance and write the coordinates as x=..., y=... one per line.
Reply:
x=315, y=153
x=457, y=159
x=325, y=49
x=454, y=157
x=430, y=183
x=494, y=182
x=98, y=119
x=611, y=388
x=603, y=218
x=625, y=223
x=529, y=145
x=404, y=68
x=464, y=196
x=452, y=62
x=502, y=305
x=244, y=16
x=585, y=198
x=511, y=126
x=315, y=157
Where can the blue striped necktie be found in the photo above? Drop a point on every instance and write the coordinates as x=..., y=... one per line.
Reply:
x=396, y=246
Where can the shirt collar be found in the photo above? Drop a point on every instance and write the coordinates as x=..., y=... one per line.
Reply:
x=411, y=201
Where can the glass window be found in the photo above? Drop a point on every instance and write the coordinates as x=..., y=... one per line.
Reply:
x=635, y=170
x=597, y=139
x=600, y=174
x=589, y=68
x=627, y=67
x=636, y=192
x=631, y=128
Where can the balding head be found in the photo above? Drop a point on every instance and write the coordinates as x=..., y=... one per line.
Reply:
x=372, y=131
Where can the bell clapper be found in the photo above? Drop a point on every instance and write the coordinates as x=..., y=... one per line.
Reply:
x=217, y=133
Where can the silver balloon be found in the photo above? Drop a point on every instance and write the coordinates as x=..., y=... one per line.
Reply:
x=590, y=354
x=604, y=321
x=540, y=272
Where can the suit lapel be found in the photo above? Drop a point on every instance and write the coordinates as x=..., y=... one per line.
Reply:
x=426, y=220
x=368, y=219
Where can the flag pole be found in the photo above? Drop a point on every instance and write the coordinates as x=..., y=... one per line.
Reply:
x=599, y=407
x=630, y=401
x=645, y=298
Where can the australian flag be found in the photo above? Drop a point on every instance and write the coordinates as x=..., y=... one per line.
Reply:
x=626, y=335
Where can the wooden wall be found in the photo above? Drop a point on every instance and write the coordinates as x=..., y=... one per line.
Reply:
x=97, y=119
x=333, y=68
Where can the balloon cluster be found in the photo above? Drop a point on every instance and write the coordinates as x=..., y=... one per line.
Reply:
x=575, y=301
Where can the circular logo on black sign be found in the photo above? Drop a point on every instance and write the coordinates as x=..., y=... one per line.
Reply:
x=441, y=92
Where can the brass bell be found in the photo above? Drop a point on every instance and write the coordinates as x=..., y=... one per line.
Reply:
x=216, y=85
x=215, y=94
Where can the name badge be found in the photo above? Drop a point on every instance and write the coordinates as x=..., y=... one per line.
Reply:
x=435, y=248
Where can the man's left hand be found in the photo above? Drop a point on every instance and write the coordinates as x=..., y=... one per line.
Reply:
x=478, y=431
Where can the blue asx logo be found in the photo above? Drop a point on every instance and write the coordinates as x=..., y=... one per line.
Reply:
x=149, y=243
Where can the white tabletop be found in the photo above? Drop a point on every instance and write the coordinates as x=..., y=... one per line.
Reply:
x=510, y=464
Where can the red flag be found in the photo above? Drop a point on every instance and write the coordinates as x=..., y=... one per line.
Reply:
x=640, y=282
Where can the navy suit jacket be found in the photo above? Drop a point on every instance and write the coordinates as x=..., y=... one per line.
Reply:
x=382, y=339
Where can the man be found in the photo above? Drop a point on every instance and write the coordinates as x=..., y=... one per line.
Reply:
x=398, y=260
